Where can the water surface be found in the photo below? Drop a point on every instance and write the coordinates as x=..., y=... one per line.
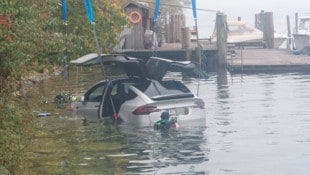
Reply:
x=255, y=124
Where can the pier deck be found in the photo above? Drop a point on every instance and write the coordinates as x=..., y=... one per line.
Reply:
x=172, y=51
x=266, y=60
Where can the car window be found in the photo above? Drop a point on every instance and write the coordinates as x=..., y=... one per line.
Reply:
x=164, y=88
x=114, y=90
x=122, y=88
x=95, y=93
x=175, y=86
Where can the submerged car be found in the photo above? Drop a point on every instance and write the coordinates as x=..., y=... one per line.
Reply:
x=143, y=95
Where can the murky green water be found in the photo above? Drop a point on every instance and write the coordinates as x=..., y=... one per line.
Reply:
x=256, y=124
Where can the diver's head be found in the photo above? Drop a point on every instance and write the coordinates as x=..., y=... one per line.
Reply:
x=165, y=115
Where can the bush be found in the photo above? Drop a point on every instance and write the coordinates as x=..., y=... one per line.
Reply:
x=15, y=130
x=32, y=37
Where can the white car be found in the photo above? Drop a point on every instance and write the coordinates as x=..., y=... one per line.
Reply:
x=141, y=97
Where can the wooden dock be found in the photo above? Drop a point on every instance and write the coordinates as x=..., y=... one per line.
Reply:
x=173, y=51
x=266, y=60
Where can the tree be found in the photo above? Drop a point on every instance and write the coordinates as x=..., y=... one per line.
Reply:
x=37, y=36
x=109, y=20
x=32, y=37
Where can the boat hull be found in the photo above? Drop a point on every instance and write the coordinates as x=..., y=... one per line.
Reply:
x=301, y=42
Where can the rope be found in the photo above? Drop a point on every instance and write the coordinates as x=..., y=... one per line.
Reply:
x=154, y=37
x=154, y=40
x=64, y=17
x=64, y=60
x=90, y=17
x=99, y=51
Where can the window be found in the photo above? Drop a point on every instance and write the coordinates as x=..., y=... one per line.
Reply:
x=95, y=93
x=166, y=89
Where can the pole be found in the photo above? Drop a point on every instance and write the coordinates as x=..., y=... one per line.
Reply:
x=198, y=52
x=221, y=38
x=289, y=34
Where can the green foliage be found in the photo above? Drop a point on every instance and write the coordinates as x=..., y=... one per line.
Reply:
x=32, y=37
x=37, y=34
x=15, y=130
x=79, y=32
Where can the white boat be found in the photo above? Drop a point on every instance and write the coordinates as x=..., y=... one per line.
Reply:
x=242, y=32
x=302, y=35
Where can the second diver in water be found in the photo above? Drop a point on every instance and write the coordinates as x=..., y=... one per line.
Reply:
x=166, y=122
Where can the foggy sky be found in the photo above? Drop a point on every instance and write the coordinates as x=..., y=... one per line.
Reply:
x=247, y=9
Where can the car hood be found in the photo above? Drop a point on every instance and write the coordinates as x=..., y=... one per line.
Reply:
x=154, y=68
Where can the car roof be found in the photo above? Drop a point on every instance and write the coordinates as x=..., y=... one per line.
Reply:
x=154, y=68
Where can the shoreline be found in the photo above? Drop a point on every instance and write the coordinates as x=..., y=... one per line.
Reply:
x=32, y=78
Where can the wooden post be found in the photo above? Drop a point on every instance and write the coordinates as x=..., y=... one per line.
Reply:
x=268, y=29
x=258, y=21
x=221, y=37
x=186, y=42
x=176, y=22
x=289, y=41
x=296, y=23
x=185, y=38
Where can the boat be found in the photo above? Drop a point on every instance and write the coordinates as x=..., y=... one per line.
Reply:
x=241, y=33
x=302, y=35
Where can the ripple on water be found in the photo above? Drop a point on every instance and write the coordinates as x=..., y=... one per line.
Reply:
x=256, y=124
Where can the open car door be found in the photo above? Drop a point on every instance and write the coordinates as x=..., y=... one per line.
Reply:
x=130, y=65
x=158, y=67
x=155, y=68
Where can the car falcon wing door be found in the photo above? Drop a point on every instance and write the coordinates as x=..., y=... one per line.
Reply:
x=156, y=68
x=94, y=59
x=129, y=65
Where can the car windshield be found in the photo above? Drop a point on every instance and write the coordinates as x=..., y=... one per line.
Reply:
x=158, y=90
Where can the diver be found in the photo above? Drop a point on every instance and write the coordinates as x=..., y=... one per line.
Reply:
x=165, y=122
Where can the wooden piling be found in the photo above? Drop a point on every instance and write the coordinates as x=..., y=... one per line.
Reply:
x=221, y=35
x=264, y=22
x=185, y=40
x=175, y=24
x=296, y=23
x=268, y=29
x=289, y=34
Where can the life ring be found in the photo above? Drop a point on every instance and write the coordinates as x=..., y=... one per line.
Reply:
x=135, y=17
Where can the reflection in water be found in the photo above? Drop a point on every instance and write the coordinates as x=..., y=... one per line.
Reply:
x=256, y=124
x=164, y=152
x=254, y=127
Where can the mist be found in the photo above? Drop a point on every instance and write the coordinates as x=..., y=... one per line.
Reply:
x=246, y=9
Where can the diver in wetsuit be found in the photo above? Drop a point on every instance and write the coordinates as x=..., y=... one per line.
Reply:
x=165, y=122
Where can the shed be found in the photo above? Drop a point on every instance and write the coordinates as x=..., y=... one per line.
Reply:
x=140, y=20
